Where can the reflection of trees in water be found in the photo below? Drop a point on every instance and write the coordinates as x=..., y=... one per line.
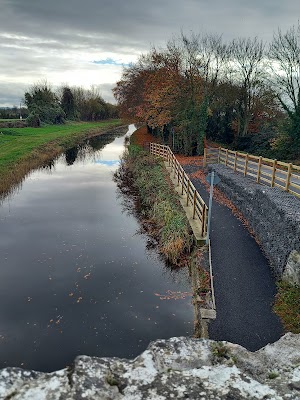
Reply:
x=71, y=155
x=90, y=148
x=87, y=149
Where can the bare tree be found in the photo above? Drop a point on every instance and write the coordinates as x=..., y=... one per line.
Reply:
x=284, y=54
x=247, y=71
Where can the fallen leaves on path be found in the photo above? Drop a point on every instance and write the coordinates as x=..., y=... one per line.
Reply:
x=219, y=196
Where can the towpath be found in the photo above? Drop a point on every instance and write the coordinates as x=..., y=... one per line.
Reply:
x=244, y=285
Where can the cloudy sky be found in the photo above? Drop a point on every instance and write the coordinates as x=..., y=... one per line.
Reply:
x=85, y=42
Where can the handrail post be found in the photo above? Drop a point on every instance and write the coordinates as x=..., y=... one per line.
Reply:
x=246, y=164
x=259, y=169
x=226, y=159
x=235, y=157
x=288, y=178
x=187, y=192
x=174, y=166
x=203, y=220
x=194, y=203
x=205, y=157
x=182, y=182
x=178, y=177
x=273, y=173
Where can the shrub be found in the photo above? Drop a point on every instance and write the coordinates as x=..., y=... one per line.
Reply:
x=33, y=120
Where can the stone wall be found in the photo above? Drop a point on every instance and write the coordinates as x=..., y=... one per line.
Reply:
x=177, y=368
x=273, y=214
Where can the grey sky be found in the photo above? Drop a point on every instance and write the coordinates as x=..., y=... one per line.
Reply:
x=59, y=39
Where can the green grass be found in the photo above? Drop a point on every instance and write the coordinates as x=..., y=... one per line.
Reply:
x=287, y=306
x=16, y=143
x=23, y=149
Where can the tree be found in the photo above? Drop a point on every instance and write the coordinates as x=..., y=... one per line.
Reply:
x=43, y=105
x=247, y=72
x=68, y=103
x=284, y=53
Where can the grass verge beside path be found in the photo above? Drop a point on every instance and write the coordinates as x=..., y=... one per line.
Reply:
x=160, y=209
x=22, y=149
x=287, y=306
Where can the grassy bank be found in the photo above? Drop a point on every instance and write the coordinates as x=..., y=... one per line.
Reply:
x=287, y=306
x=160, y=210
x=22, y=149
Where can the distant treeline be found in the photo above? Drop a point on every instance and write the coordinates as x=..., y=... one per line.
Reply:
x=46, y=106
x=244, y=93
x=13, y=112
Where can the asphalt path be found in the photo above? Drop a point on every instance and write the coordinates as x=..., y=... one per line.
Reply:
x=244, y=285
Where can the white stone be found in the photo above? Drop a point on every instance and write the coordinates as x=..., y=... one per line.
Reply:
x=291, y=272
x=177, y=368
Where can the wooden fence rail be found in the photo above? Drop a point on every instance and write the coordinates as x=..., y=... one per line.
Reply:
x=193, y=198
x=285, y=176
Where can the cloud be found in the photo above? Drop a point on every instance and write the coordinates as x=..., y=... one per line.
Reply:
x=88, y=42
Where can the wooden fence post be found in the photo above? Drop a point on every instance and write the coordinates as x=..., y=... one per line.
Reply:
x=187, y=192
x=273, y=173
x=205, y=157
x=203, y=220
x=259, y=169
x=226, y=160
x=235, y=157
x=246, y=164
x=178, y=178
x=194, y=203
x=182, y=182
x=219, y=155
x=174, y=161
x=288, y=178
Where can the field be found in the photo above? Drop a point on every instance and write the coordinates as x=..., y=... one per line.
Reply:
x=22, y=149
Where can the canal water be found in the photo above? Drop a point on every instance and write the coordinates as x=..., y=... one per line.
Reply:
x=76, y=277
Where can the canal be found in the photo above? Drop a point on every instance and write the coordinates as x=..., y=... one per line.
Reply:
x=76, y=277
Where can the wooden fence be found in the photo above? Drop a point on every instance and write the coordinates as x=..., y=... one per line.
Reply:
x=285, y=176
x=193, y=198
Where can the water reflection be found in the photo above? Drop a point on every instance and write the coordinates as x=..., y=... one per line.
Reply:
x=71, y=155
x=75, y=276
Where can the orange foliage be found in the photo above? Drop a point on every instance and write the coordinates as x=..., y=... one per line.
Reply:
x=142, y=136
